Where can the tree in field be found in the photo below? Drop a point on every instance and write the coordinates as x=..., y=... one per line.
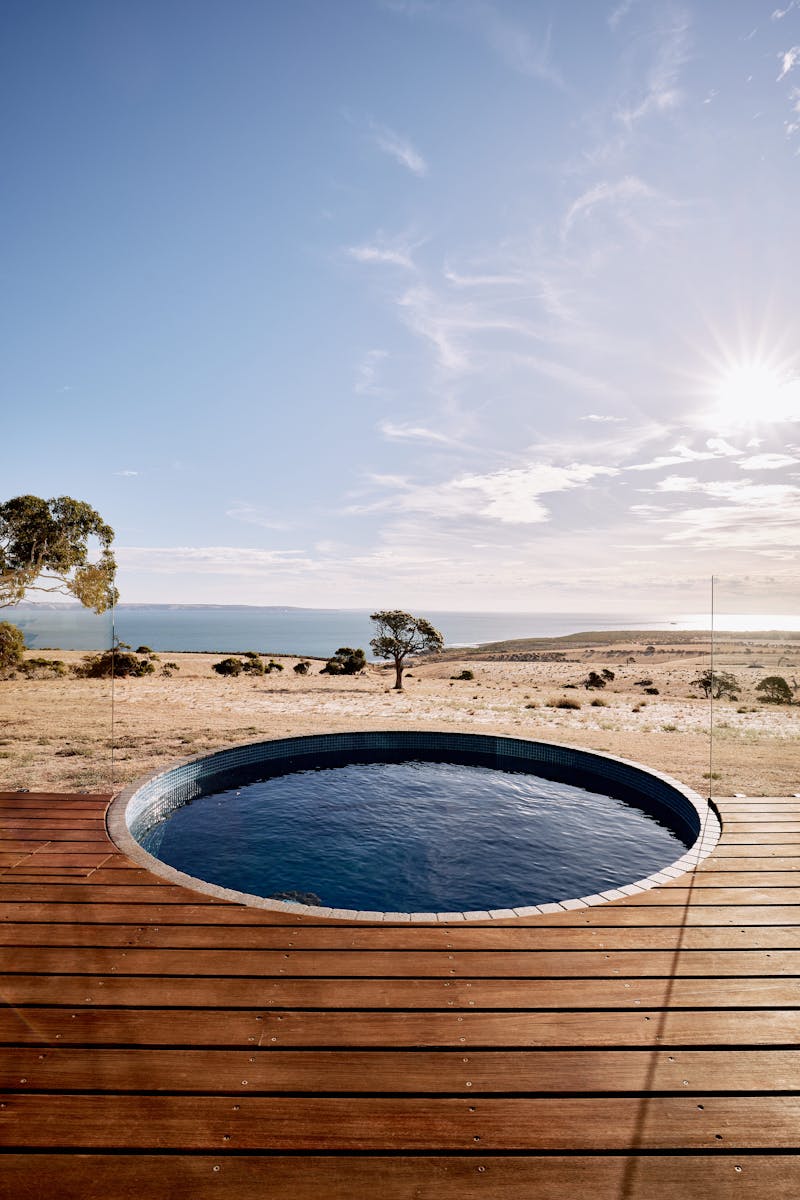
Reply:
x=45, y=546
x=400, y=635
x=346, y=661
x=718, y=684
x=776, y=690
x=12, y=644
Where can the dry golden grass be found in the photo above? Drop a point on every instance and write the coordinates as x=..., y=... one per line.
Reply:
x=58, y=734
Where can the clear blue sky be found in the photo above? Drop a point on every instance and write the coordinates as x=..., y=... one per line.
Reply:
x=446, y=303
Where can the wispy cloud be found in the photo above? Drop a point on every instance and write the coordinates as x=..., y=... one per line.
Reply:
x=209, y=560
x=367, y=373
x=413, y=433
x=127, y=474
x=767, y=462
x=511, y=496
x=454, y=327
x=780, y=13
x=682, y=453
x=754, y=517
x=478, y=281
x=570, y=377
x=399, y=148
x=788, y=60
x=392, y=255
x=601, y=418
x=523, y=51
x=619, y=195
x=620, y=12
x=251, y=514
x=528, y=51
x=661, y=90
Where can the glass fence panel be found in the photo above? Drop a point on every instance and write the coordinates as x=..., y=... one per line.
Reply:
x=56, y=731
x=753, y=686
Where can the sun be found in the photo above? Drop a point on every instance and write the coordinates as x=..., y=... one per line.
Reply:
x=755, y=393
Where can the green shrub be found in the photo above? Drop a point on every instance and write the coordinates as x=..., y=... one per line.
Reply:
x=465, y=674
x=273, y=666
x=346, y=661
x=228, y=666
x=144, y=650
x=34, y=668
x=119, y=663
x=301, y=668
x=12, y=645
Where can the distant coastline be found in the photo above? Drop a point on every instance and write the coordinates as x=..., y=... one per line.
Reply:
x=318, y=632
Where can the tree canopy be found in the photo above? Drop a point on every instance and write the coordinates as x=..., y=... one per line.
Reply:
x=719, y=684
x=399, y=635
x=45, y=546
x=776, y=690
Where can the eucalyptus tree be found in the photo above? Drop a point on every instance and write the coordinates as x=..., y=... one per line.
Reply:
x=400, y=635
x=46, y=546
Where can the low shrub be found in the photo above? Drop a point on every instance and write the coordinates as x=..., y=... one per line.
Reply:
x=599, y=702
x=301, y=668
x=37, y=668
x=465, y=674
x=12, y=645
x=346, y=661
x=121, y=663
x=228, y=666
x=563, y=702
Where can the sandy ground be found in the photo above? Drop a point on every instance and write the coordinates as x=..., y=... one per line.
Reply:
x=64, y=734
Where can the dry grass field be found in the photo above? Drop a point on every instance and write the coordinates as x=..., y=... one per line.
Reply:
x=63, y=734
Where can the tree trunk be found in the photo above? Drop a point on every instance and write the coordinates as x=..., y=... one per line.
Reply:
x=398, y=683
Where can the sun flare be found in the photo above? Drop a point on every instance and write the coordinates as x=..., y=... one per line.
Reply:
x=756, y=393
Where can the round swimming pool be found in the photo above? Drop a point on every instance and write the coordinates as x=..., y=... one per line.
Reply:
x=413, y=825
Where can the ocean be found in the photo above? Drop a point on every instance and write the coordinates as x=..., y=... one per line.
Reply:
x=318, y=632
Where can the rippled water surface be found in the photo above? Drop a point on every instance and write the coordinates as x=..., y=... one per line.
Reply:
x=413, y=836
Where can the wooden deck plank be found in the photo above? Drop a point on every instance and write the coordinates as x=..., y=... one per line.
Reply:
x=606, y=916
x=245, y=1072
x=411, y=994
x=400, y=964
x=422, y=940
x=401, y=1124
x=625, y=1176
x=194, y=1027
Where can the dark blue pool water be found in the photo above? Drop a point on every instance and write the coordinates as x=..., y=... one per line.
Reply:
x=413, y=837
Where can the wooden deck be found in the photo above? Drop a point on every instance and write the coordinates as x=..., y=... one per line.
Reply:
x=159, y=1043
